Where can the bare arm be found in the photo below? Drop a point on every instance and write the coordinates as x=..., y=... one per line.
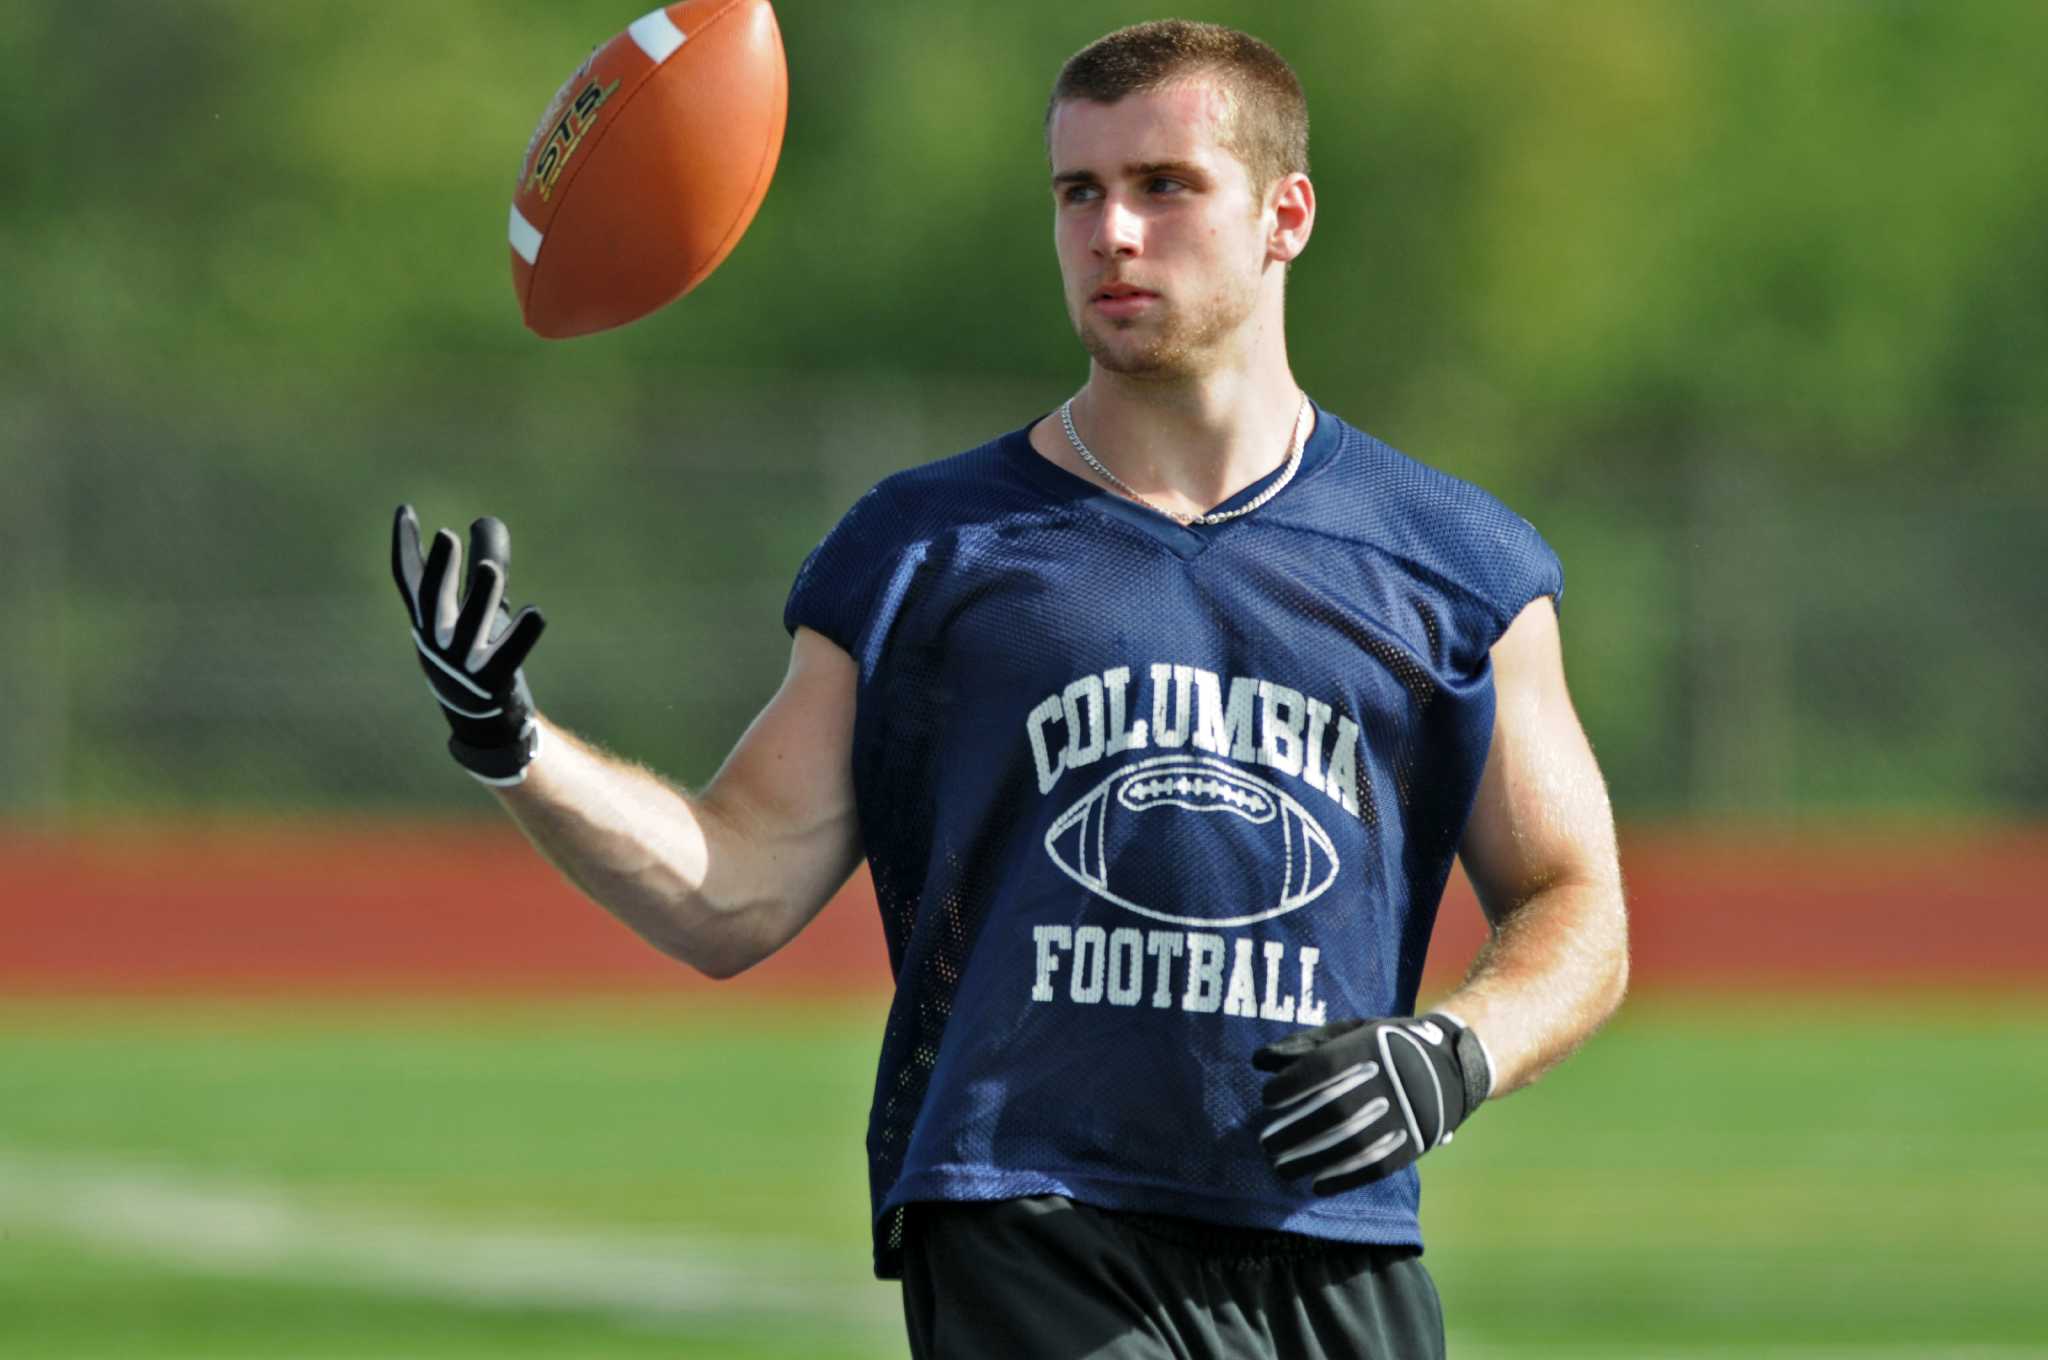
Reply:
x=1540, y=852
x=722, y=878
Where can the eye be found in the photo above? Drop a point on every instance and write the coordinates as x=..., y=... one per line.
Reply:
x=1157, y=181
x=1077, y=193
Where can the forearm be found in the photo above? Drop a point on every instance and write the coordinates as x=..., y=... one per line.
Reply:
x=640, y=849
x=1552, y=973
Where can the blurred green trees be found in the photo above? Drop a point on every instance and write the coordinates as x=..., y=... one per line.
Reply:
x=1745, y=305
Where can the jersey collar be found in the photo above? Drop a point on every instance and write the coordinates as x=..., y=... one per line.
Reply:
x=1184, y=540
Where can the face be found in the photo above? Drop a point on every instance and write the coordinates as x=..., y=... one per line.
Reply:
x=1163, y=246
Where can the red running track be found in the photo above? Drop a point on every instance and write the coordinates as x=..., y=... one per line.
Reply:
x=292, y=909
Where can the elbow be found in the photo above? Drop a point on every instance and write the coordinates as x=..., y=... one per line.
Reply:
x=1600, y=953
x=1617, y=982
x=1616, y=988
x=722, y=967
x=732, y=946
x=721, y=960
x=718, y=937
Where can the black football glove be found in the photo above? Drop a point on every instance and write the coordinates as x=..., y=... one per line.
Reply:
x=472, y=654
x=1356, y=1100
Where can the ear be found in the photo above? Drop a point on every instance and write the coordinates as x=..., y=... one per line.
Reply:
x=1292, y=202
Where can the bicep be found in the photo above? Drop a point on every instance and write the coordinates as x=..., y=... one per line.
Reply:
x=783, y=802
x=1541, y=816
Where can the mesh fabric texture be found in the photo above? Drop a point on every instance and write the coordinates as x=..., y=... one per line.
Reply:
x=1140, y=797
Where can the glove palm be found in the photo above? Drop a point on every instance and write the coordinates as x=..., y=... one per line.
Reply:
x=471, y=649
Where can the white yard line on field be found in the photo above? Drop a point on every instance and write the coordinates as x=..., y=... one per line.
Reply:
x=244, y=1227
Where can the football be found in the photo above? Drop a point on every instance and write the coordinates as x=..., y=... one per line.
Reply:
x=1129, y=837
x=648, y=166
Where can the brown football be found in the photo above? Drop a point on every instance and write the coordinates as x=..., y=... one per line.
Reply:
x=648, y=165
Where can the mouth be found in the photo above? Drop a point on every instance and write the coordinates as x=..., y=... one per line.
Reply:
x=1120, y=300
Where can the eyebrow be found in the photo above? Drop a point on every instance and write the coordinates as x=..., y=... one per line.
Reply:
x=1136, y=170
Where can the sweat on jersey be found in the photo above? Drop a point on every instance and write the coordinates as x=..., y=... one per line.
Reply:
x=1139, y=798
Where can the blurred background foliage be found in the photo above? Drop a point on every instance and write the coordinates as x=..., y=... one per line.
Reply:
x=1745, y=305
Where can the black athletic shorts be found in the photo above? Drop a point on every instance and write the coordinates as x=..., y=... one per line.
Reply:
x=1046, y=1277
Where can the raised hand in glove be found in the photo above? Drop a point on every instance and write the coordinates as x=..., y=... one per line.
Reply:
x=1356, y=1100
x=472, y=648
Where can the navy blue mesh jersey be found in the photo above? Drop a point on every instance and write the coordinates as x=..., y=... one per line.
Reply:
x=1139, y=798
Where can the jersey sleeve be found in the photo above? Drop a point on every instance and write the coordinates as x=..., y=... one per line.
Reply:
x=839, y=586
x=1529, y=568
x=1498, y=560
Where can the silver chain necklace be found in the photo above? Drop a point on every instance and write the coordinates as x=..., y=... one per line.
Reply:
x=1294, y=444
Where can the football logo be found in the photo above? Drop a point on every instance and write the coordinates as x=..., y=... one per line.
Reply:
x=568, y=134
x=1141, y=832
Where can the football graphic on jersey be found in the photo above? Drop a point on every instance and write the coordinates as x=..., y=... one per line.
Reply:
x=1194, y=841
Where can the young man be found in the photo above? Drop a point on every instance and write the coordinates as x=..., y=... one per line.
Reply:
x=1159, y=722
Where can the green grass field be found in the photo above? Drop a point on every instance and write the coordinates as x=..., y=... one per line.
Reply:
x=1826, y=1179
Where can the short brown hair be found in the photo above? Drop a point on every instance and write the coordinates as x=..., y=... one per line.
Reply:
x=1267, y=123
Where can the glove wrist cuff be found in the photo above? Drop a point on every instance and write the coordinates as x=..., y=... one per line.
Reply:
x=1475, y=1062
x=499, y=766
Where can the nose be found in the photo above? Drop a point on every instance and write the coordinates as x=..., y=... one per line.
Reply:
x=1118, y=232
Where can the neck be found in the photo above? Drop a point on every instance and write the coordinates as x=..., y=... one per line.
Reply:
x=1189, y=444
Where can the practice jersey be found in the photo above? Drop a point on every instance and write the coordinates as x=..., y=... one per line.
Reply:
x=1140, y=797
